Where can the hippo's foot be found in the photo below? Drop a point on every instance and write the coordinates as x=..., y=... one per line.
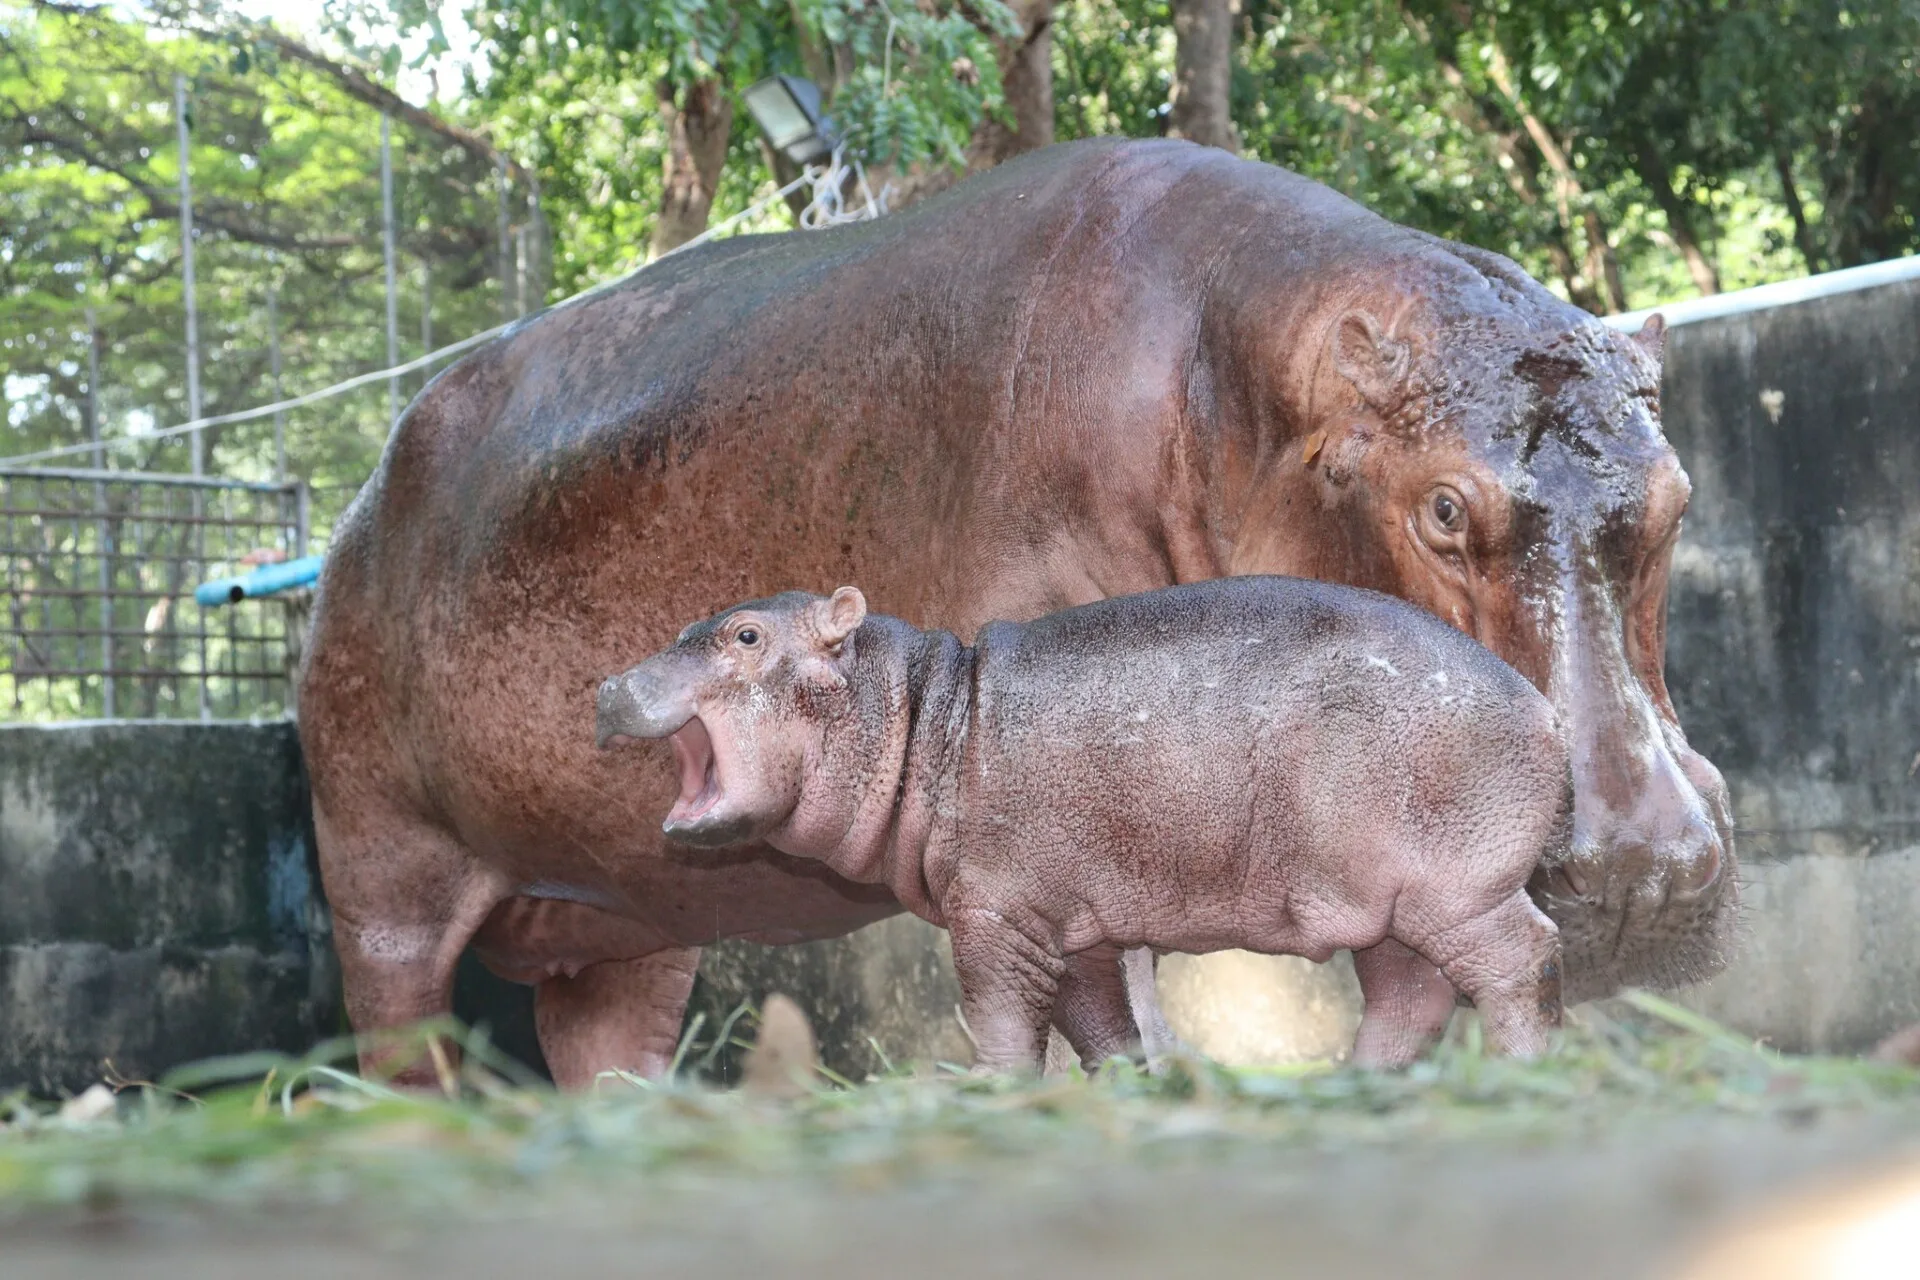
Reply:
x=406, y=898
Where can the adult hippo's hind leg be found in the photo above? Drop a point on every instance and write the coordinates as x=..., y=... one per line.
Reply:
x=406, y=897
x=617, y=1014
x=1408, y=1001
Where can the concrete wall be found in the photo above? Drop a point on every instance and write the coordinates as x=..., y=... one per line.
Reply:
x=1794, y=649
x=157, y=896
x=157, y=899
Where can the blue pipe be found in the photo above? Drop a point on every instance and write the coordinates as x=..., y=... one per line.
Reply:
x=263, y=581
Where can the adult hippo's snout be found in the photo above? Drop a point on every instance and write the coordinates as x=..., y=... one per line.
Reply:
x=1648, y=896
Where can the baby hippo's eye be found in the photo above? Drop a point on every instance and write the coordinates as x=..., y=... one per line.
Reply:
x=747, y=636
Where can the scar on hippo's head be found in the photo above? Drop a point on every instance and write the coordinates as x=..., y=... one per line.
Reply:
x=738, y=697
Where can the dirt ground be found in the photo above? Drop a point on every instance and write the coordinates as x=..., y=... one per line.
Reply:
x=1645, y=1136
x=1629, y=1201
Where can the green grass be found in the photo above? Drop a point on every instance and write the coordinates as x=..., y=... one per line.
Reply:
x=267, y=1130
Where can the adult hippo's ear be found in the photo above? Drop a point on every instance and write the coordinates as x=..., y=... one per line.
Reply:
x=838, y=616
x=1373, y=360
x=1653, y=337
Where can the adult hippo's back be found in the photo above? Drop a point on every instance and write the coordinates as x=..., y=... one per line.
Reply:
x=1103, y=368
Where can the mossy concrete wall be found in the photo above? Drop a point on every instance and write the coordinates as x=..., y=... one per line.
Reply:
x=157, y=899
x=1794, y=649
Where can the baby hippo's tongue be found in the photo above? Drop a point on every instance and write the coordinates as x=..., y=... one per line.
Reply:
x=699, y=780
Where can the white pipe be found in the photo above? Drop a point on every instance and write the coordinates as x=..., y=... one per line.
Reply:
x=1766, y=296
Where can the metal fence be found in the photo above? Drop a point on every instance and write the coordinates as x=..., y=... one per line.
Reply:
x=100, y=618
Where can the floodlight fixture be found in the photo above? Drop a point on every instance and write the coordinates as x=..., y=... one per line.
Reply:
x=787, y=109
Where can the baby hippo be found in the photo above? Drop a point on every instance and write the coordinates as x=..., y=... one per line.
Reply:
x=1272, y=764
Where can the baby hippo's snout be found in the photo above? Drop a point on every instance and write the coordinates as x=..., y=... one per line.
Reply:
x=643, y=702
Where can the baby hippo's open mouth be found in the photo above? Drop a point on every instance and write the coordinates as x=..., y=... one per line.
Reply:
x=700, y=787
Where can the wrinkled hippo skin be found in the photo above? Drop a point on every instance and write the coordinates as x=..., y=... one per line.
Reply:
x=1104, y=368
x=1272, y=764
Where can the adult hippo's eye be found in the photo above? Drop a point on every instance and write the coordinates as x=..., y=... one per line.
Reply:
x=1442, y=521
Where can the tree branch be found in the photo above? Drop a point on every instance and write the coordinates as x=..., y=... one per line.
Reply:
x=1522, y=171
x=160, y=204
x=1652, y=167
x=1790, y=192
x=358, y=84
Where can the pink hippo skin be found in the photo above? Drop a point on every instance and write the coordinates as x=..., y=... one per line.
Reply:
x=1267, y=763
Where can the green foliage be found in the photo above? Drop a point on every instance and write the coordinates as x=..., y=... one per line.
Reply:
x=1779, y=137
x=905, y=82
x=287, y=199
x=1424, y=110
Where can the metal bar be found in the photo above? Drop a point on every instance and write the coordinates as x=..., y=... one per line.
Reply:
x=77, y=673
x=426, y=317
x=393, y=285
x=273, y=360
x=103, y=529
x=507, y=307
x=520, y=268
x=72, y=633
x=71, y=513
x=146, y=477
x=186, y=265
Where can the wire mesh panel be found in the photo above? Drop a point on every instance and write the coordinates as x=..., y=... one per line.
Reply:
x=100, y=619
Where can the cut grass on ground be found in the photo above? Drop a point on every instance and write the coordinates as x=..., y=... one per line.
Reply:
x=265, y=1130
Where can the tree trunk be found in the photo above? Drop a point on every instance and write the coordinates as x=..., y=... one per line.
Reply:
x=1790, y=190
x=1203, y=73
x=1602, y=264
x=1026, y=76
x=1653, y=171
x=1490, y=118
x=699, y=120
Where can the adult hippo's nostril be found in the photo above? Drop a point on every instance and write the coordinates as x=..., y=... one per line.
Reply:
x=1692, y=864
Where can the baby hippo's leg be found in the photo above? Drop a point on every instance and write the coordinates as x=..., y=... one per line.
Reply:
x=1408, y=1001
x=1507, y=959
x=1009, y=981
x=1092, y=1009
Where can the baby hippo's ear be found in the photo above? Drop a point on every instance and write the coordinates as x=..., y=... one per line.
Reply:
x=836, y=618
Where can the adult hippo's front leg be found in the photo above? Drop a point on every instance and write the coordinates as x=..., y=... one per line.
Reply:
x=405, y=897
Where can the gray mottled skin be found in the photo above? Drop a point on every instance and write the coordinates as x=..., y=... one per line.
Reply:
x=1267, y=763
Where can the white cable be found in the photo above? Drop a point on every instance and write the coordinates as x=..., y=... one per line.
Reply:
x=827, y=208
x=364, y=379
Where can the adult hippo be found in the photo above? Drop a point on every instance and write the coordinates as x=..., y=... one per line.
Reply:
x=1104, y=368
